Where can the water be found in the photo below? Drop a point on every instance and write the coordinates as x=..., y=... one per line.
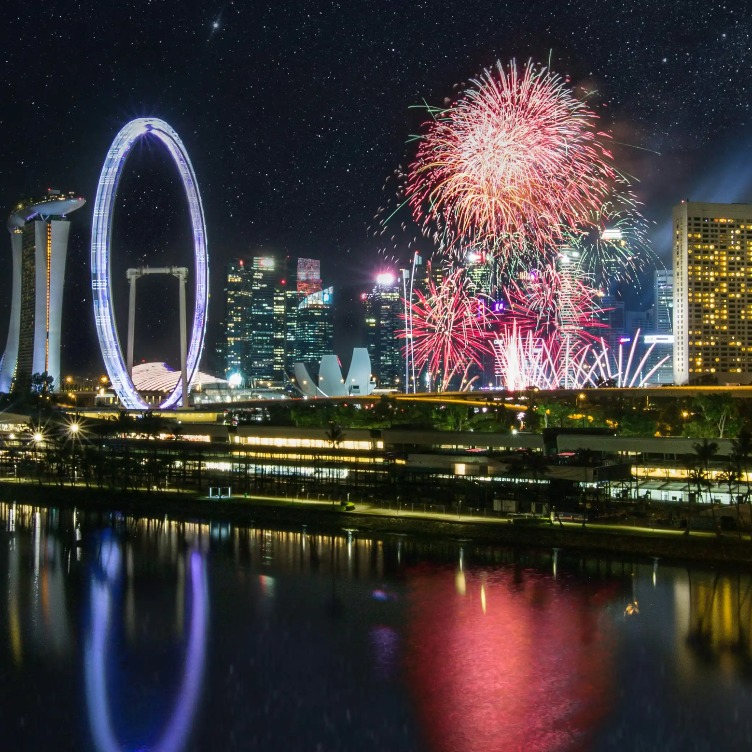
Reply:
x=129, y=634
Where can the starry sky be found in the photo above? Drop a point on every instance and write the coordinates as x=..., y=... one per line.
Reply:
x=296, y=114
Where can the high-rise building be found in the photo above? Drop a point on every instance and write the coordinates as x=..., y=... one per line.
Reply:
x=307, y=282
x=712, y=294
x=613, y=317
x=254, y=334
x=267, y=336
x=308, y=276
x=39, y=243
x=314, y=330
x=479, y=272
x=663, y=292
x=383, y=306
x=236, y=323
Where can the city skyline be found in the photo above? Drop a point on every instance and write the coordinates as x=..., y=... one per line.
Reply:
x=293, y=157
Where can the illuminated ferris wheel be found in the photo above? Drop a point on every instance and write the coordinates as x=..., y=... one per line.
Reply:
x=101, y=277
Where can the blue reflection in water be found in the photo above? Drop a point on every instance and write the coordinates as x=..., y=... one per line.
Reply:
x=105, y=582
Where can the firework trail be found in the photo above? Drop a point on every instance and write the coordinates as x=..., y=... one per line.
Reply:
x=549, y=302
x=523, y=361
x=613, y=247
x=516, y=160
x=451, y=328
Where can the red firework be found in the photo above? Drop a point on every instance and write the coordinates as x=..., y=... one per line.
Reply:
x=549, y=303
x=451, y=328
x=514, y=162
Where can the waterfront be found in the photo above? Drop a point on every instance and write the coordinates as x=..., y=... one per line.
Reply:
x=127, y=633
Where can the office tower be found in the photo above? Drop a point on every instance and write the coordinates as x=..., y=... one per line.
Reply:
x=663, y=292
x=613, y=316
x=314, y=330
x=712, y=294
x=479, y=272
x=254, y=333
x=308, y=276
x=267, y=335
x=39, y=243
x=307, y=282
x=236, y=323
x=383, y=308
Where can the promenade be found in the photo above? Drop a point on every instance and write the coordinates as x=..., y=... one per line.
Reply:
x=373, y=520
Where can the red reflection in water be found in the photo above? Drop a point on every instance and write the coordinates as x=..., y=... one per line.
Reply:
x=533, y=673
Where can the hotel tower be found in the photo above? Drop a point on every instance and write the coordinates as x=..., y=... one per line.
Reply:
x=39, y=244
x=712, y=293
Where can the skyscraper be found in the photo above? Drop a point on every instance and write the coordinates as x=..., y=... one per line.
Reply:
x=39, y=243
x=314, y=331
x=712, y=294
x=663, y=292
x=383, y=306
x=254, y=325
x=236, y=322
x=307, y=282
x=266, y=360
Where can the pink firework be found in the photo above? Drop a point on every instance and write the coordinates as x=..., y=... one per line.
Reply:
x=549, y=303
x=514, y=162
x=451, y=329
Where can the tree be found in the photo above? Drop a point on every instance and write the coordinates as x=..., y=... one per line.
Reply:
x=41, y=383
x=334, y=434
x=736, y=470
x=705, y=451
x=714, y=416
x=698, y=467
x=554, y=413
x=450, y=417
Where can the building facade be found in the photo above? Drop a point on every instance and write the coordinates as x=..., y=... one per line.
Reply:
x=236, y=324
x=712, y=296
x=307, y=282
x=383, y=308
x=39, y=233
x=663, y=295
x=271, y=322
x=314, y=330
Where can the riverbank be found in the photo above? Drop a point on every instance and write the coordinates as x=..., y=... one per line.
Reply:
x=324, y=517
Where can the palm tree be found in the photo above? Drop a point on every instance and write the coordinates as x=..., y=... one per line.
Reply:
x=731, y=476
x=741, y=449
x=706, y=451
x=334, y=434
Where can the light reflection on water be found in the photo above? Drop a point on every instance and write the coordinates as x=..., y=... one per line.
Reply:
x=127, y=634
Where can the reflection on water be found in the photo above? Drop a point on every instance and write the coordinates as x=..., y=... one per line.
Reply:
x=105, y=581
x=124, y=634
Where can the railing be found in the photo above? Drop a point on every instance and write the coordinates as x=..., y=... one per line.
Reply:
x=450, y=510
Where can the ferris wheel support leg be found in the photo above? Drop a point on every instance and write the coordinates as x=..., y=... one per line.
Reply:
x=131, y=322
x=183, y=343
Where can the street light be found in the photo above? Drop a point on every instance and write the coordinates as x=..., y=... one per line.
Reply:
x=37, y=438
x=74, y=430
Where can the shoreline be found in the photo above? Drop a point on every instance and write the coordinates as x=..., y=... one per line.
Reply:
x=323, y=517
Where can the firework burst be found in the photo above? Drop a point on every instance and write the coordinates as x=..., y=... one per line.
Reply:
x=523, y=361
x=450, y=328
x=612, y=247
x=516, y=160
x=550, y=302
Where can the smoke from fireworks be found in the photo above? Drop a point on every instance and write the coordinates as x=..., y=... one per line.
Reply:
x=517, y=160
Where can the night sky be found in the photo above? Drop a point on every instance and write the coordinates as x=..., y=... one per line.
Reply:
x=295, y=115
